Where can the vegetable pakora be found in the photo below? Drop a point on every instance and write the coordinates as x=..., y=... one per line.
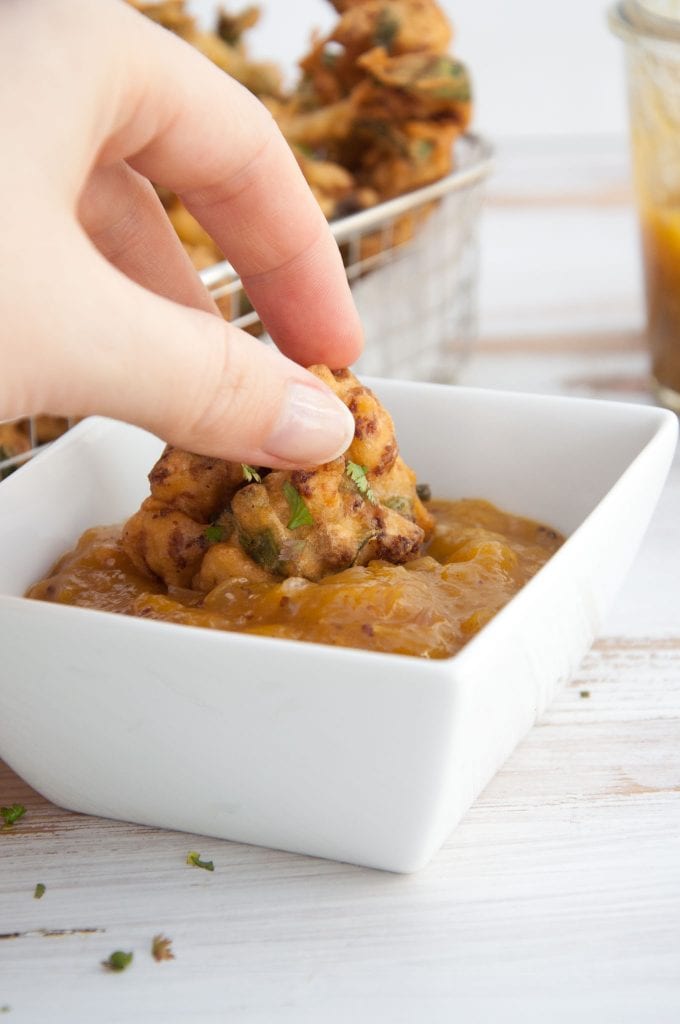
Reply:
x=208, y=520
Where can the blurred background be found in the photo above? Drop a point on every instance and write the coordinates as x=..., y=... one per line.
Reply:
x=559, y=237
x=541, y=289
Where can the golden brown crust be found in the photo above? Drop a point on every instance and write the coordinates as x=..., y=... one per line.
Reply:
x=164, y=543
x=204, y=519
x=197, y=485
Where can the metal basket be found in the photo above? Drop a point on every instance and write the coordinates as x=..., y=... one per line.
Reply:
x=412, y=263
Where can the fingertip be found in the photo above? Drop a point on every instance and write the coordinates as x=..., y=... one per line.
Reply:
x=313, y=426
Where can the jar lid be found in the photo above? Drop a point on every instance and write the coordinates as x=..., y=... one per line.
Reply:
x=653, y=19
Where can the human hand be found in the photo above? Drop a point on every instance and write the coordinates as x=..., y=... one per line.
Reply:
x=101, y=310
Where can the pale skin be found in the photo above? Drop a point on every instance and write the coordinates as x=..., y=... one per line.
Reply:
x=100, y=308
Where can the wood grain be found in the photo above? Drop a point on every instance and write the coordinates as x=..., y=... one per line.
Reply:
x=563, y=877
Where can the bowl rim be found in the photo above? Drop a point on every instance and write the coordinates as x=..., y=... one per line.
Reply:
x=666, y=423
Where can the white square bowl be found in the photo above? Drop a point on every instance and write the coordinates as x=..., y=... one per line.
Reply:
x=358, y=756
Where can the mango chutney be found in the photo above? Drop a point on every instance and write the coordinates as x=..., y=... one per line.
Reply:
x=477, y=559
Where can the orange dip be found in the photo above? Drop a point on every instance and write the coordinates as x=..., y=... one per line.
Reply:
x=477, y=559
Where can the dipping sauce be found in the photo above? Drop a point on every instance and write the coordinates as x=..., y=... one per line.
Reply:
x=476, y=560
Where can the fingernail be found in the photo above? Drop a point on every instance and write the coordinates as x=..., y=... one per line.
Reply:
x=314, y=427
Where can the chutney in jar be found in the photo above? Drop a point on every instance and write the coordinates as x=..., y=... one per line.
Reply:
x=661, y=248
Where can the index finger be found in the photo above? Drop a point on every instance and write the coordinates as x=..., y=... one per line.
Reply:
x=187, y=125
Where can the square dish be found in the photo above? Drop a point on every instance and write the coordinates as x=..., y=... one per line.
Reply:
x=357, y=756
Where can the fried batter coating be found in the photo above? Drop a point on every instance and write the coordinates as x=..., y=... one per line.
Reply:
x=400, y=26
x=259, y=77
x=197, y=485
x=165, y=544
x=205, y=523
x=14, y=439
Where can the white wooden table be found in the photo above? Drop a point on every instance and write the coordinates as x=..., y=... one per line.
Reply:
x=558, y=897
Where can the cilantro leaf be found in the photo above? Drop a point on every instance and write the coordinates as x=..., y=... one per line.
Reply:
x=118, y=961
x=357, y=475
x=250, y=474
x=39, y=891
x=12, y=814
x=299, y=513
x=194, y=858
x=214, y=534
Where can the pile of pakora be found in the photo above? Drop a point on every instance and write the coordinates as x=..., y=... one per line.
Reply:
x=352, y=553
x=375, y=113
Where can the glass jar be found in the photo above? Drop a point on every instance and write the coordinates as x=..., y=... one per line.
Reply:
x=651, y=31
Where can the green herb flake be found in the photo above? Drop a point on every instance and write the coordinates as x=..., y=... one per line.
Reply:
x=386, y=30
x=161, y=948
x=5, y=1008
x=118, y=961
x=424, y=492
x=299, y=513
x=11, y=814
x=584, y=694
x=261, y=547
x=250, y=474
x=357, y=475
x=424, y=149
x=194, y=858
x=214, y=534
x=39, y=891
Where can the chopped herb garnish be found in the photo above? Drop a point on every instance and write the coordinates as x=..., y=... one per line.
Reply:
x=261, y=547
x=357, y=475
x=118, y=961
x=161, y=948
x=5, y=1008
x=39, y=891
x=458, y=85
x=399, y=504
x=386, y=30
x=424, y=149
x=424, y=492
x=194, y=858
x=299, y=513
x=214, y=534
x=584, y=693
x=250, y=474
x=12, y=814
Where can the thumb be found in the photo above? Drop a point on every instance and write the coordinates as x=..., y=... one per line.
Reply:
x=187, y=376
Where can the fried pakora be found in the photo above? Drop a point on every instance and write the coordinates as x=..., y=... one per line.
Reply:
x=207, y=520
x=374, y=114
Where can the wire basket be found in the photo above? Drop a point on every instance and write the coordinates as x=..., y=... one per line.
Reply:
x=412, y=263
